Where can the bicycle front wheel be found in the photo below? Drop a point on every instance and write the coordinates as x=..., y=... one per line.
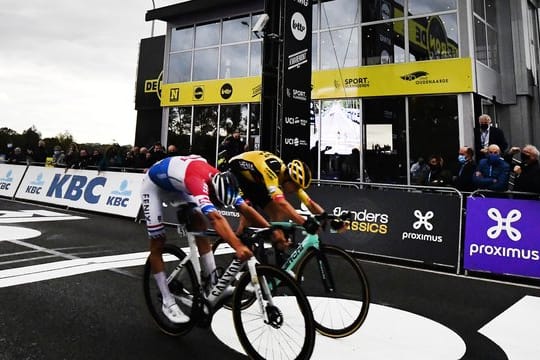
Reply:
x=288, y=332
x=337, y=290
x=183, y=287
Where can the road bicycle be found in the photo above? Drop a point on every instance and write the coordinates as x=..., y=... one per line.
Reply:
x=334, y=282
x=275, y=322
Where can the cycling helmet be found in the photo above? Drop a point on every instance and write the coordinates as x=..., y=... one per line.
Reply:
x=225, y=188
x=299, y=173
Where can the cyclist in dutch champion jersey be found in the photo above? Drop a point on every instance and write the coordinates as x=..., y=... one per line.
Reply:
x=264, y=179
x=192, y=180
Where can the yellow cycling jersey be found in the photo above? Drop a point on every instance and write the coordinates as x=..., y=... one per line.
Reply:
x=263, y=167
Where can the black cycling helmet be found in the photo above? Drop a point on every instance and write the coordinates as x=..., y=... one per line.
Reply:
x=299, y=173
x=225, y=188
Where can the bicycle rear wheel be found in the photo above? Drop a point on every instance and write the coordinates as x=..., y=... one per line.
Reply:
x=337, y=290
x=289, y=332
x=183, y=287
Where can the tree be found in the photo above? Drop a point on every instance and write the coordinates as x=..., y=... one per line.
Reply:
x=64, y=139
x=30, y=138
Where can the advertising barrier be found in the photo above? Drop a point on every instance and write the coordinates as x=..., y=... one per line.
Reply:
x=407, y=225
x=501, y=236
x=10, y=178
x=115, y=193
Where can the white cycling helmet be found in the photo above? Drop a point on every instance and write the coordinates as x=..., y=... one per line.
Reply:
x=225, y=188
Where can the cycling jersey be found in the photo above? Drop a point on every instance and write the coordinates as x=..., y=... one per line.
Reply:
x=260, y=174
x=177, y=179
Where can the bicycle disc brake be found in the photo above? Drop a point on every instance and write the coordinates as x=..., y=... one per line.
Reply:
x=275, y=316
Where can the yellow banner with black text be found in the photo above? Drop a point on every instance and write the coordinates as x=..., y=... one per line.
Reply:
x=422, y=77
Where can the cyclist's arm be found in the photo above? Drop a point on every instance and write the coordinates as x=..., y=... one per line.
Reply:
x=222, y=227
x=284, y=207
x=314, y=207
x=256, y=219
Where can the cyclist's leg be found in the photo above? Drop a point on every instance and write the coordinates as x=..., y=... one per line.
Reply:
x=151, y=196
x=183, y=286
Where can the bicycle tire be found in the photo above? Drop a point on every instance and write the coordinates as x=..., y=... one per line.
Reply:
x=339, y=312
x=185, y=287
x=291, y=332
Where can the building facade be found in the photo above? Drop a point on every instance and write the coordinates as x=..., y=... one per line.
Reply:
x=391, y=80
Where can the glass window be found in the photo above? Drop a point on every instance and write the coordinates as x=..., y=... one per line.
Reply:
x=385, y=149
x=205, y=64
x=478, y=7
x=383, y=10
x=383, y=43
x=235, y=30
x=419, y=7
x=254, y=142
x=315, y=19
x=314, y=53
x=179, y=67
x=207, y=35
x=180, y=129
x=339, y=48
x=233, y=117
x=491, y=13
x=433, y=124
x=255, y=65
x=480, y=41
x=492, y=49
x=339, y=13
x=433, y=37
x=337, y=128
x=234, y=61
x=205, y=120
x=181, y=39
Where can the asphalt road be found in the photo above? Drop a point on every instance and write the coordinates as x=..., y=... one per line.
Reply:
x=70, y=288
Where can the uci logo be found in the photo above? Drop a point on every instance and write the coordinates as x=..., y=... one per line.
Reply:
x=504, y=224
x=298, y=26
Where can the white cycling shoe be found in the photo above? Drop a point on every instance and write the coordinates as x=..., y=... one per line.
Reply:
x=174, y=314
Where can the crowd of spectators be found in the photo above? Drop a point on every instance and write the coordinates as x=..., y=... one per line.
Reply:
x=75, y=156
x=491, y=167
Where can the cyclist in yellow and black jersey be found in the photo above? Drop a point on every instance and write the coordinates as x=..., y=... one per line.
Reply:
x=264, y=179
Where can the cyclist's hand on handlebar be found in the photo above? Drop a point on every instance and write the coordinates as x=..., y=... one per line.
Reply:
x=311, y=225
x=338, y=226
x=243, y=253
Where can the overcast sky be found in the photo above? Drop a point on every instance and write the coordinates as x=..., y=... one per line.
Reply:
x=71, y=65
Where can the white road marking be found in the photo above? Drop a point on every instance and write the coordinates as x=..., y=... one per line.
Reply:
x=75, y=266
x=39, y=219
x=516, y=329
x=388, y=333
x=13, y=233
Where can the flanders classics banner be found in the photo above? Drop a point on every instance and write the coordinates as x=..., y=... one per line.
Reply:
x=405, y=225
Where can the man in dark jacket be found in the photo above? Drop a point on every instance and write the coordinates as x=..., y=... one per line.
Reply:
x=463, y=180
x=528, y=173
x=493, y=172
x=485, y=134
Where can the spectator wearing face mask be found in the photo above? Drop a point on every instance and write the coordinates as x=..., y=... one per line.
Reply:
x=437, y=175
x=492, y=172
x=528, y=172
x=463, y=179
x=486, y=134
